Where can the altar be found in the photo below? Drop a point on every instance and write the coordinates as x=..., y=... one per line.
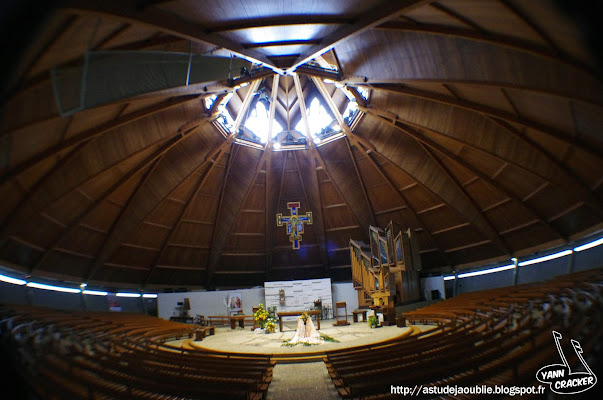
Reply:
x=297, y=313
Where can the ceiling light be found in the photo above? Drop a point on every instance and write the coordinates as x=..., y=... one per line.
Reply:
x=95, y=292
x=150, y=295
x=589, y=245
x=14, y=281
x=55, y=288
x=127, y=294
x=276, y=145
x=545, y=258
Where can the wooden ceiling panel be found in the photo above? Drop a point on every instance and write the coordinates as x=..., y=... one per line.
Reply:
x=244, y=242
x=250, y=222
x=133, y=256
x=491, y=96
x=577, y=220
x=438, y=218
x=459, y=237
x=586, y=166
x=421, y=199
x=203, y=208
x=183, y=256
x=148, y=236
x=192, y=234
x=548, y=110
x=383, y=198
x=588, y=119
x=38, y=232
x=31, y=140
x=495, y=17
x=33, y=104
x=183, y=192
x=481, y=161
x=166, y=214
x=530, y=236
x=102, y=216
x=221, y=13
x=429, y=15
x=558, y=27
x=65, y=210
x=471, y=256
x=553, y=201
x=499, y=216
x=66, y=266
x=117, y=273
x=517, y=181
x=135, y=33
x=82, y=240
x=484, y=194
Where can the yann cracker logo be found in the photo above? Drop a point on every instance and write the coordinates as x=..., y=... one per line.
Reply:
x=560, y=377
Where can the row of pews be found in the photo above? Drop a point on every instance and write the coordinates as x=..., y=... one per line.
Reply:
x=87, y=355
x=494, y=337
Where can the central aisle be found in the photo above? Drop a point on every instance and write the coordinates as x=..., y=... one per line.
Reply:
x=301, y=381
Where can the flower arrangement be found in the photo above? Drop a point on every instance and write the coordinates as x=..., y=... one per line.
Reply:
x=270, y=325
x=372, y=321
x=305, y=317
x=261, y=316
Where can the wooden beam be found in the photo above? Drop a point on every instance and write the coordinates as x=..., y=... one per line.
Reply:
x=460, y=17
x=368, y=20
x=279, y=20
x=128, y=11
x=242, y=115
x=269, y=204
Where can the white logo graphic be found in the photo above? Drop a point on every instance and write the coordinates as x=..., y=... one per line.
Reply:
x=559, y=376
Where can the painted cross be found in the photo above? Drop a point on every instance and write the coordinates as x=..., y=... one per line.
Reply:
x=295, y=223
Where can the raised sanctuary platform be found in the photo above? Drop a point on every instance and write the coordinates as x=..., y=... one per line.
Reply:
x=245, y=341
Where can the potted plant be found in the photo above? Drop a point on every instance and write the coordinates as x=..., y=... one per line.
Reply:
x=372, y=321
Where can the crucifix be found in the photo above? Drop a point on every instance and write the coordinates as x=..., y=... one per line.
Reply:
x=295, y=223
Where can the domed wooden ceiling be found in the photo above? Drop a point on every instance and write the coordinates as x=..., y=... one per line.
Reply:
x=475, y=123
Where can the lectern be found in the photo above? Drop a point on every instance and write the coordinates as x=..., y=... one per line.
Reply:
x=340, y=321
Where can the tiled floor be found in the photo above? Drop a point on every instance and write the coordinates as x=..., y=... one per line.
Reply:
x=301, y=381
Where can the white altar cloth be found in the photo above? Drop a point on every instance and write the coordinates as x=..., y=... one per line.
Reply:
x=306, y=333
